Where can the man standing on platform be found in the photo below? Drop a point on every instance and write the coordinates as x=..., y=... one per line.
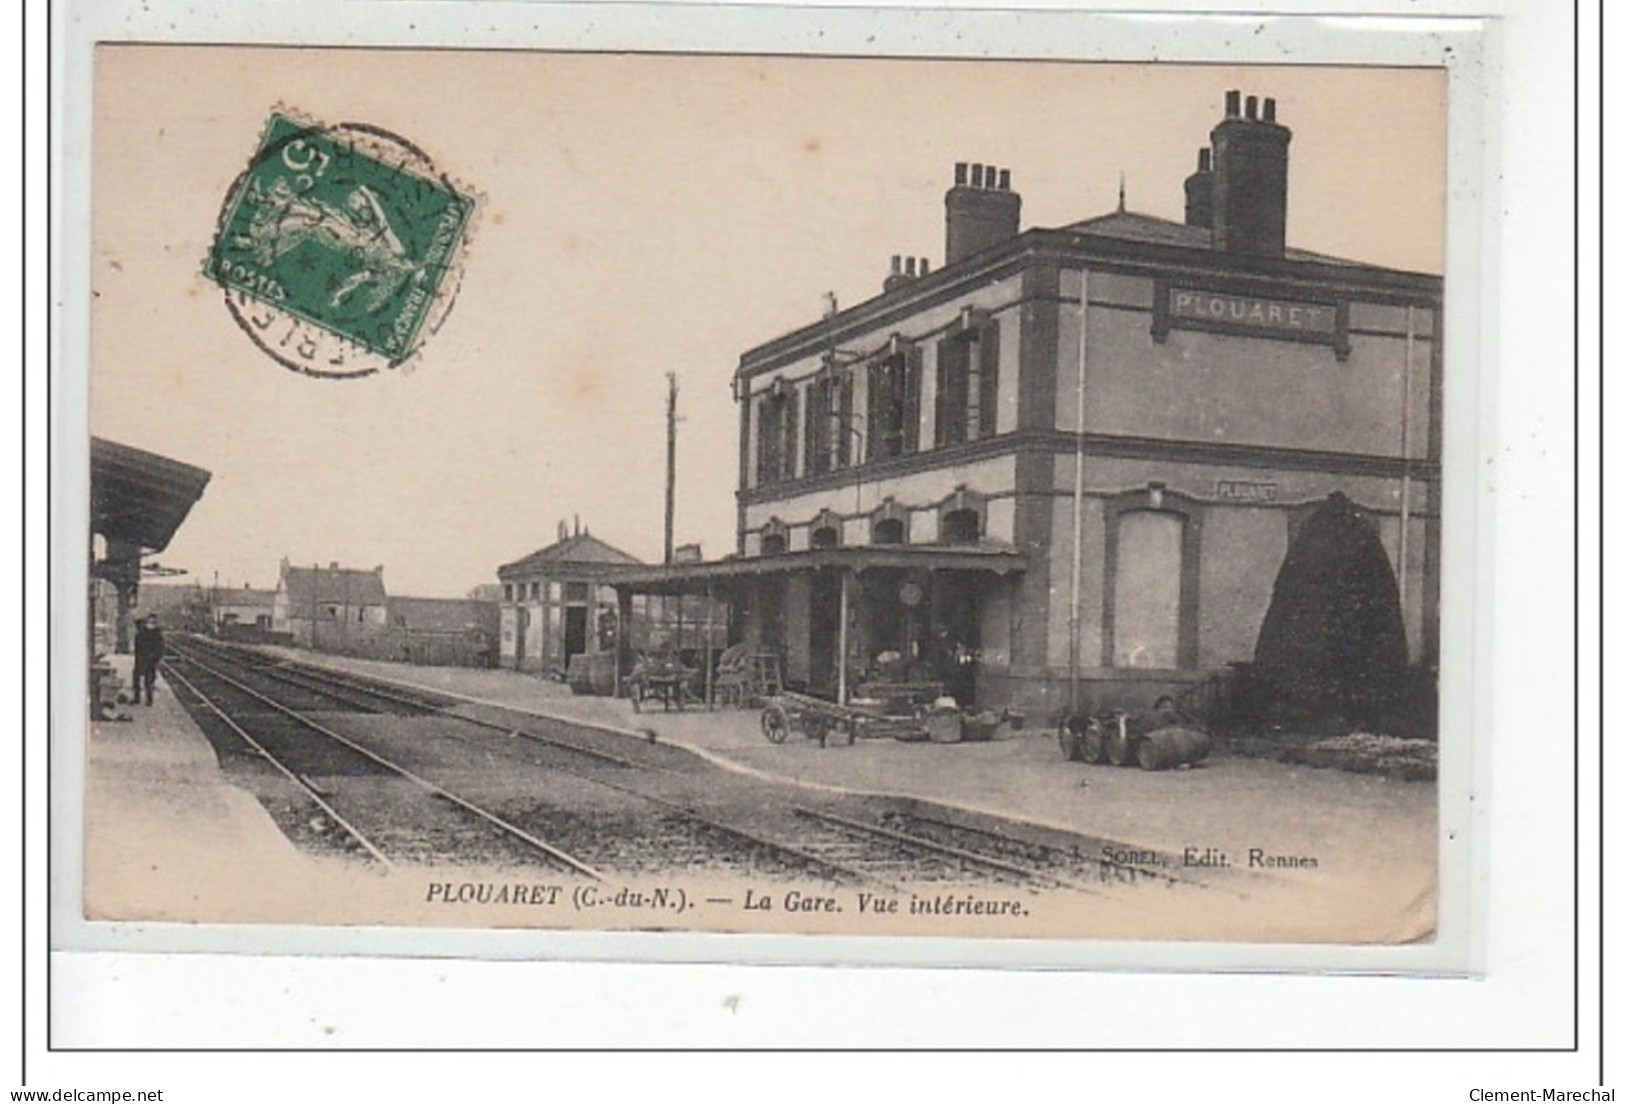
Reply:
x=149, y=652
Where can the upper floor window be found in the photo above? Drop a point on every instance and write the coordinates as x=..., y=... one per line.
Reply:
x=829, y=422
x=776, y=434
x=894, y=403
x=968, y=382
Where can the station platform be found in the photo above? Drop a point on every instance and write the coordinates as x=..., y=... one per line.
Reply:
x=168, y=837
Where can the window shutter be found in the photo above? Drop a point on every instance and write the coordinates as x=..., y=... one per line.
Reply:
x=817, y=425
x=843, y=447
x=766, y=430
x=988, y=401
x=913, y=368
x=945, y=378
x=873, y=427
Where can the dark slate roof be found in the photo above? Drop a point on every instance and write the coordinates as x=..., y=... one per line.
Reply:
x=244, y=596
x=446, y=615
x=985, y=555
x=583, y=549
x=332, y=585
x=140, y=498
x=1151, y=230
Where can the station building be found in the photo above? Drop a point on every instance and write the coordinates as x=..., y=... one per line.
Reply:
x=1066, y=467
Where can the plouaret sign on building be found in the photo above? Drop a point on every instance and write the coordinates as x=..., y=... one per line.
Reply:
x=1247, y=310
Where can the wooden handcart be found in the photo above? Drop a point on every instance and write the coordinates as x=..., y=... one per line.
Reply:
x=817, y=719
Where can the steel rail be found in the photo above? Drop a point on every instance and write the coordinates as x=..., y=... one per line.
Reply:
x=1138, y=871
x=844, y=872
x=293, y=677
x=344, y=679
x=292, y=776
x=964, y=855
x=439, y=791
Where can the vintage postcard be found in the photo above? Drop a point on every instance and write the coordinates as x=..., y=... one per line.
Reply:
x=839, y=496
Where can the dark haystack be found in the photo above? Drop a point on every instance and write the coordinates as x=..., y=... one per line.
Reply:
x=1333, y=642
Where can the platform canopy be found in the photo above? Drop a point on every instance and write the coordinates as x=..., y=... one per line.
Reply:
x=1000, y=559
x=138, y=499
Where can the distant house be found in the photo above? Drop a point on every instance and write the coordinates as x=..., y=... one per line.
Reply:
x=557, y=602
x=443, y=631
x=332, y=608
x=238, y=608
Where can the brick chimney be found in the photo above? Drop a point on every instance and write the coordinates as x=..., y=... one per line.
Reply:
x=1199, y=192
x=1249, y=179
x=982, y=210
x=902, y=274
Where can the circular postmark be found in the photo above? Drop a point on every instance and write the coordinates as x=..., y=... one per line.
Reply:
x=339, y=248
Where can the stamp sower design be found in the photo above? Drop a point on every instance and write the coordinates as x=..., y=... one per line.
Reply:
x=338, y=247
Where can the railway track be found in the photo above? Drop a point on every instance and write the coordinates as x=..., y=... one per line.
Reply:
x=319, y=771
x=619, y=807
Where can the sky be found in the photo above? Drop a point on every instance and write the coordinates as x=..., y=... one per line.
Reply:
x=639, y=215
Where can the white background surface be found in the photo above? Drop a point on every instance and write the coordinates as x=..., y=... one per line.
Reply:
x=193, y=1001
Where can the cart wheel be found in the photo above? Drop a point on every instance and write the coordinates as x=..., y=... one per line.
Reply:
x=1117, y=744
x=1092, y=743
x=775, y=725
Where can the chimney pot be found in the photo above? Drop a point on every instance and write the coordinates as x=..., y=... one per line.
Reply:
x=979, y=216
x=1232, y=103
x=1269, y=110
x=896, y=263
x=925, y=266
x=1204, y=160
x=960, y=171
x=1004, y=180
x=909, y=266
x=1249, y=183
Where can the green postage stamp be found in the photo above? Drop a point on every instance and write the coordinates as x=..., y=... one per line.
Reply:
x=339, y=248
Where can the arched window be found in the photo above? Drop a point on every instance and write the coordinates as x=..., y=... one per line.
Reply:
x=1153, y=572
x=889, y=523
x=775, y=537
x=1149, y=550
x=961, y=527
x=826, y=536
x=890, y=531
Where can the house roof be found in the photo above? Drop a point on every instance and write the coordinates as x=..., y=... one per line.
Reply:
x=443, y=614
x=1151, y=230
x=140, y=498
x=1116, y=237
x=343, y=585
x=245, y=596
x=581, y=550
x=986, y=555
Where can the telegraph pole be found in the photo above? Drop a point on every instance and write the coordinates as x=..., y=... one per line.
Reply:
x=671, y=460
